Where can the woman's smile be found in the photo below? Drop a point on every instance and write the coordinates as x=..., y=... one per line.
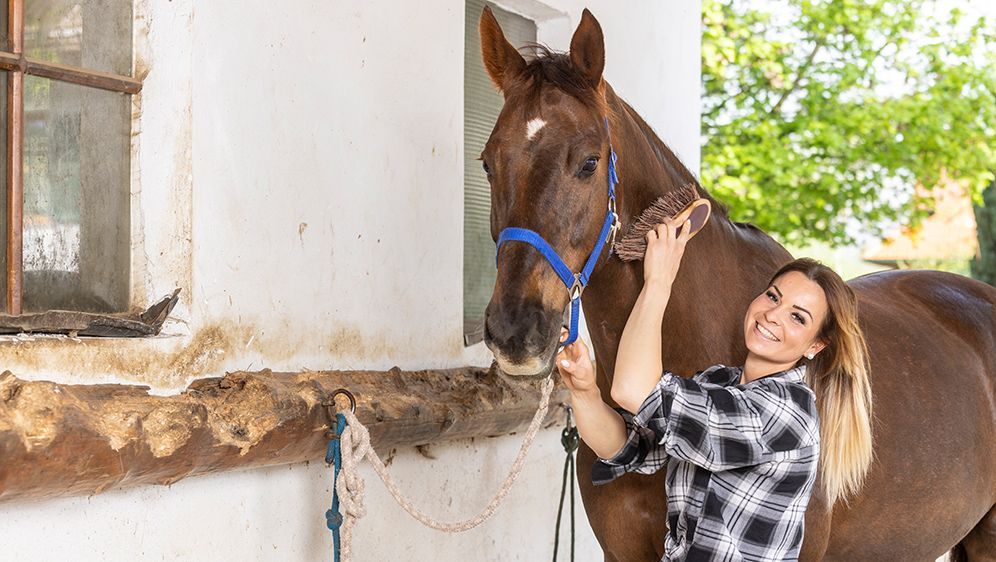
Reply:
x=764, y=332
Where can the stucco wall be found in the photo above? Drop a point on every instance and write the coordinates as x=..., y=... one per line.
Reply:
x=298, y=171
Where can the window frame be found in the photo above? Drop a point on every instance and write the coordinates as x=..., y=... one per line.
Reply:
x=14, y=62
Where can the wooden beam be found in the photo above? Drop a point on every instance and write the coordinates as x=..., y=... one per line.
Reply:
x=60, y=440
x=83, y=77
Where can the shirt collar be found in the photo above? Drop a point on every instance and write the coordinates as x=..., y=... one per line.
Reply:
x=795, y=374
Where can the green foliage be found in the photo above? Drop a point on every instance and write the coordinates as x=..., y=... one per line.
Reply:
x=984, y=265
x=827, y=113
x=951, y=265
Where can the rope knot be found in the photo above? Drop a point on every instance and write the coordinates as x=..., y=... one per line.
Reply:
x=333, y=520
x=569, y=439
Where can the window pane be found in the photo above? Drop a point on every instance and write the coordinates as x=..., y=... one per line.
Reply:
x=3, y=25
x=76, y=197
x=92, y=34
x=481, y=105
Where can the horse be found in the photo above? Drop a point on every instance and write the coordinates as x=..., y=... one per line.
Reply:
x=931, y=335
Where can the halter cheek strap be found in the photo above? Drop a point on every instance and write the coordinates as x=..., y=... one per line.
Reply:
x=575, y=282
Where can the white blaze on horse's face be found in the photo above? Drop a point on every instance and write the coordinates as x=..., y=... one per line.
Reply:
x=533, y=127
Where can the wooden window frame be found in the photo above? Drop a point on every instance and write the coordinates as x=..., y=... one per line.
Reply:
x=17, y=66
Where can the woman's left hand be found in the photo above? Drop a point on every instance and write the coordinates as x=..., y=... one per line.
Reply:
x=665, y=248
x=575, y=367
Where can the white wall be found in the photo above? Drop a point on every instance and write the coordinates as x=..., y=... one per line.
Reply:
x=298, y=172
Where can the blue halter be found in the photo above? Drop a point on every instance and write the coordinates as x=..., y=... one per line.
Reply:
x=575, y=282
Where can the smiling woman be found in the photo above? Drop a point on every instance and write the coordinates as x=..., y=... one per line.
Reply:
x=741, y=445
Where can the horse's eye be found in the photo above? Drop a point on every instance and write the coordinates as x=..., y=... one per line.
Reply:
x=589, y=166
x=484, y=165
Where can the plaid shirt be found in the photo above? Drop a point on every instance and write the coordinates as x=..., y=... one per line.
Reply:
x=741, y=462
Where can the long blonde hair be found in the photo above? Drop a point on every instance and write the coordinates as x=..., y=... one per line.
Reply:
x=839, y=377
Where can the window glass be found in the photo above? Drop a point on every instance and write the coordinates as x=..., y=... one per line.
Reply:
x=76, y=197
x=91, y=34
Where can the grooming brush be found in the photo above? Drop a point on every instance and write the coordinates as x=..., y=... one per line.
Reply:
x=684, y=204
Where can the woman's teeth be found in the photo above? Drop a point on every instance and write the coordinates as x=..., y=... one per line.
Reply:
x=765, y=332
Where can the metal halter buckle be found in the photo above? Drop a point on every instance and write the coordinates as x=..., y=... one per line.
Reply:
x=577, y=288
x=613, y=230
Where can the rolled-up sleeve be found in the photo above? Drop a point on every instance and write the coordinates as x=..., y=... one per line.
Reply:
x=642, y=453
x=726, y=427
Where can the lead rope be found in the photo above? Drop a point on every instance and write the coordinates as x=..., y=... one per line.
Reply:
x=348, y=485
x=569, y=439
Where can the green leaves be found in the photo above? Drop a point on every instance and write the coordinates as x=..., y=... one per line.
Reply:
x=820, y=120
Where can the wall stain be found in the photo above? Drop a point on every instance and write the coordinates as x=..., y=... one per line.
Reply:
x=134, y=360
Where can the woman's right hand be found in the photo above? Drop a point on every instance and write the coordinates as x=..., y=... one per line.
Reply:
x=665, y=248
x=575, y=367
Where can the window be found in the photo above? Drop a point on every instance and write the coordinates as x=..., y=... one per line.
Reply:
x=65, y=88
x=481, y=105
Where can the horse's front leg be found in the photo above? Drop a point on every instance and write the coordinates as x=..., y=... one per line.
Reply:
x=627, y=515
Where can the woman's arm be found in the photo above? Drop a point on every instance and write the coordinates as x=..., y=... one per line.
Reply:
x=601, y=427
x=638, y=366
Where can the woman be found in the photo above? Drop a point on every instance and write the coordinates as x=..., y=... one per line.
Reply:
x=740, y=444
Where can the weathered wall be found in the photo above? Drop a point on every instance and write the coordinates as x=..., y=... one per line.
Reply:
x=297, y=171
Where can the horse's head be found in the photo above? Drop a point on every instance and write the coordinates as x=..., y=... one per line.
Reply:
x=547, y=162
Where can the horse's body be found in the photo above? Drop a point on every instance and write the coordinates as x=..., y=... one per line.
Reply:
x=931, y=336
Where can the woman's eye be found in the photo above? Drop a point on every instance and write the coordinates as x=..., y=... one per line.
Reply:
x=772, y=296
x=484, y=165
x=798, y=318
x=589, y=166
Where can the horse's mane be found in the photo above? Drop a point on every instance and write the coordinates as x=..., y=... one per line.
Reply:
x=672, y=164
x=548, y=67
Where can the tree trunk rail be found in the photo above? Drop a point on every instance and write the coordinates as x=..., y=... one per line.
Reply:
x=58, y=440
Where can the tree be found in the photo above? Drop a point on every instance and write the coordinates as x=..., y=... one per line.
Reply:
x=821, y=119
x=984, y=265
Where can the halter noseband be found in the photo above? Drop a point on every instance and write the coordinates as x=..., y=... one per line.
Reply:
x=575, y=282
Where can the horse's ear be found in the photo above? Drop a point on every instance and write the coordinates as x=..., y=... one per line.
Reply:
x=588, y=49
x=501, y=59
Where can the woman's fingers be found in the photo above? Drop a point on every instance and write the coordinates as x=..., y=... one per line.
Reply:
x=578, y=350
x=686, y=231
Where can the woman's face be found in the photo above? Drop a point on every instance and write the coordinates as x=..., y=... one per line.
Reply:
x=783, y=322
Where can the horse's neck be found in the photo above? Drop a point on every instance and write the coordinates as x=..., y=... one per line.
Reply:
x=723, y=268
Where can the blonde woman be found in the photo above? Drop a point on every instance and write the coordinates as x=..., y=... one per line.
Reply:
x=741, y=445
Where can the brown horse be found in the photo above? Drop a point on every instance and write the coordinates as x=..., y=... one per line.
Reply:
x=932, y=336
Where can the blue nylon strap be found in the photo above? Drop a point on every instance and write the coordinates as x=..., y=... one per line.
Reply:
x=333, y=456
x=603, y=235
x=613, y=174
x=537, y=241
x=575, y=314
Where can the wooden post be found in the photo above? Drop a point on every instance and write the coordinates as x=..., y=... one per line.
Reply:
x=82, y=439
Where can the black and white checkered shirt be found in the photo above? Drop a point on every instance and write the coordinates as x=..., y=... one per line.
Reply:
x=741, y=462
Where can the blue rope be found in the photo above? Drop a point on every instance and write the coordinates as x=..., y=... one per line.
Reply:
x=333, y=456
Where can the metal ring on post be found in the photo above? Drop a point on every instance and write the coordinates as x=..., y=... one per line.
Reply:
x=330, y=410
x=349, y=395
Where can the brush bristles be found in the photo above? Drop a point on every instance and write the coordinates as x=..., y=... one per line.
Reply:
x=632, y=245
